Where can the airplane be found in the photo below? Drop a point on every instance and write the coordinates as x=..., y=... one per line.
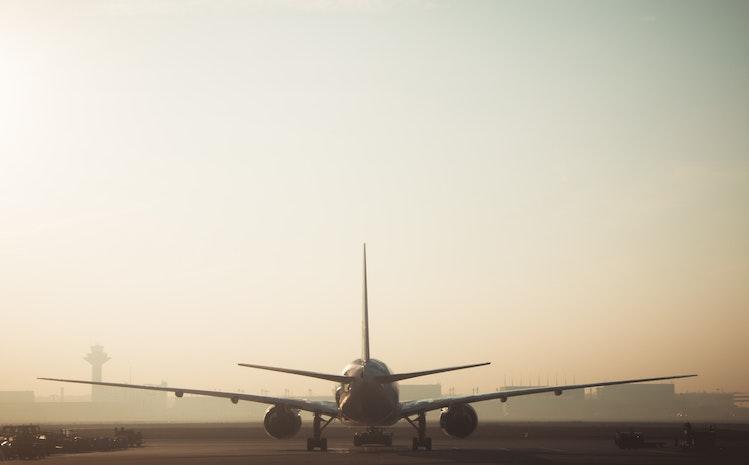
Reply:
x=367, y=395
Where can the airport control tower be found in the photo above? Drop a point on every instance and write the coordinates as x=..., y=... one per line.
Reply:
x=97, y=357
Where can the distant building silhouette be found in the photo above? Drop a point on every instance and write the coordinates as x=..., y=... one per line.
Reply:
x=420, y=391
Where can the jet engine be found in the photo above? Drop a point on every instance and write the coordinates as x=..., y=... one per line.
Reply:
x=282, y=422
x=458, y=420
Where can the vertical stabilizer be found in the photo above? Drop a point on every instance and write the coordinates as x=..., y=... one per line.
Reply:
x=365, y=313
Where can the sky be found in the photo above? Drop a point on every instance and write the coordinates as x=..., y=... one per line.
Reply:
x=560, y=188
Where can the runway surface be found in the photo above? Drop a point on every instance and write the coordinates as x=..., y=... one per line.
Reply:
x=555, y=444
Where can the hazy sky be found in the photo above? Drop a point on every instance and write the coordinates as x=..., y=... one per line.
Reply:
x=560, y=188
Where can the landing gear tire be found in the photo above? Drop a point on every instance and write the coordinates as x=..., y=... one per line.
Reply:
x=319, y=443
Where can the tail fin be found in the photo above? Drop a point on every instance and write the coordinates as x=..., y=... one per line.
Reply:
x=365, y=314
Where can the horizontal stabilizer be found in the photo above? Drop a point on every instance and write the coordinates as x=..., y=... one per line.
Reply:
x=401, y=376
x=309, y=374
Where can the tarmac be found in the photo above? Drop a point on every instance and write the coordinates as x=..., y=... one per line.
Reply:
x=527, y=444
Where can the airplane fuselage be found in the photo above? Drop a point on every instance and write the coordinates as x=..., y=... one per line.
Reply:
x=365, y=401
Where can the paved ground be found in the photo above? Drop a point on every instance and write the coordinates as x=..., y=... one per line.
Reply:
x=555, y=444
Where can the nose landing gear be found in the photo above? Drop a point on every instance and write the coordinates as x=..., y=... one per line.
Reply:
x=317, y=441
x=421, y=441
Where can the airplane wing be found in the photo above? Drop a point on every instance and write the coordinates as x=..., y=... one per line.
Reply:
x=425, y=405
x=323, y=407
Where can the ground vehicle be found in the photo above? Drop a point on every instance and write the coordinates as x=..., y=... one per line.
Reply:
x=5, y=448
x=23, y=442
x=130, y=438
x=697, y=440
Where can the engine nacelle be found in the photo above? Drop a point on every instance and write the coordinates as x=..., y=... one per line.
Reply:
x=282, y=422
x=459, y=420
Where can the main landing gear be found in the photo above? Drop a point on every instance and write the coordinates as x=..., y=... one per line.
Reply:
x=317, y=441
x=421, y=441
x=373, y=436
